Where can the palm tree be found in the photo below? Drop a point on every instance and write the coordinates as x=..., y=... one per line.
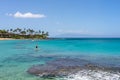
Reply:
x=11, y=30
x=43, y=32
x=19, y=30
x=39, y=31
x=23, y=32
x=44, y=35
x=31, y=31
x=27, y=31
x=15, y=30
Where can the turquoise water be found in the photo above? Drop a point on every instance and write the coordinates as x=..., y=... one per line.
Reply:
x=16, y=56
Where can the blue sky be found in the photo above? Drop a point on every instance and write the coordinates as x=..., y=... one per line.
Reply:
x=86, y=17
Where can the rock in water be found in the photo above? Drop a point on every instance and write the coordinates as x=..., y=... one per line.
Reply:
x=57, y=68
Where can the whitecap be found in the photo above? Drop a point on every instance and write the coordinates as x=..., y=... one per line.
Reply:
x=93, y=75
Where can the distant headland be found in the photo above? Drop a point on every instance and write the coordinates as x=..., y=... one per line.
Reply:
x=22, y=34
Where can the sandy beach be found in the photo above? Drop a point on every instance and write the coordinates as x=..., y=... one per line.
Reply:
x=6, y=39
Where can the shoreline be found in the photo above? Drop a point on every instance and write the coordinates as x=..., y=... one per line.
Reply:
x=21, y=39
x=27, y=39
x=7, y=39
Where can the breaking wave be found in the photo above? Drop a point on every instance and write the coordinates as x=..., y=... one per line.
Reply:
x=93, y=75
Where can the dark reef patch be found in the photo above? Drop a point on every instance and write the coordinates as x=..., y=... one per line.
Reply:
x=65, y=66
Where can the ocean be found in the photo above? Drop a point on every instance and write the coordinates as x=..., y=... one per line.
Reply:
x=17, y=56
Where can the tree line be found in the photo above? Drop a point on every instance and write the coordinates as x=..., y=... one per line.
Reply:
x=23, y=34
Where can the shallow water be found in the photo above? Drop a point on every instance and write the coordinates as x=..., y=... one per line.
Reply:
x=16, y=56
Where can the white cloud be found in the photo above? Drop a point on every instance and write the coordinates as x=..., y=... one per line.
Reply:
x=26, y=15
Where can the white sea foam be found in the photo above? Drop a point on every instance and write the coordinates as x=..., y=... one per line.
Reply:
x=93, y=75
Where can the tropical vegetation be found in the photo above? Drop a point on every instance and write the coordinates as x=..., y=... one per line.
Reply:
x=23, y=34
